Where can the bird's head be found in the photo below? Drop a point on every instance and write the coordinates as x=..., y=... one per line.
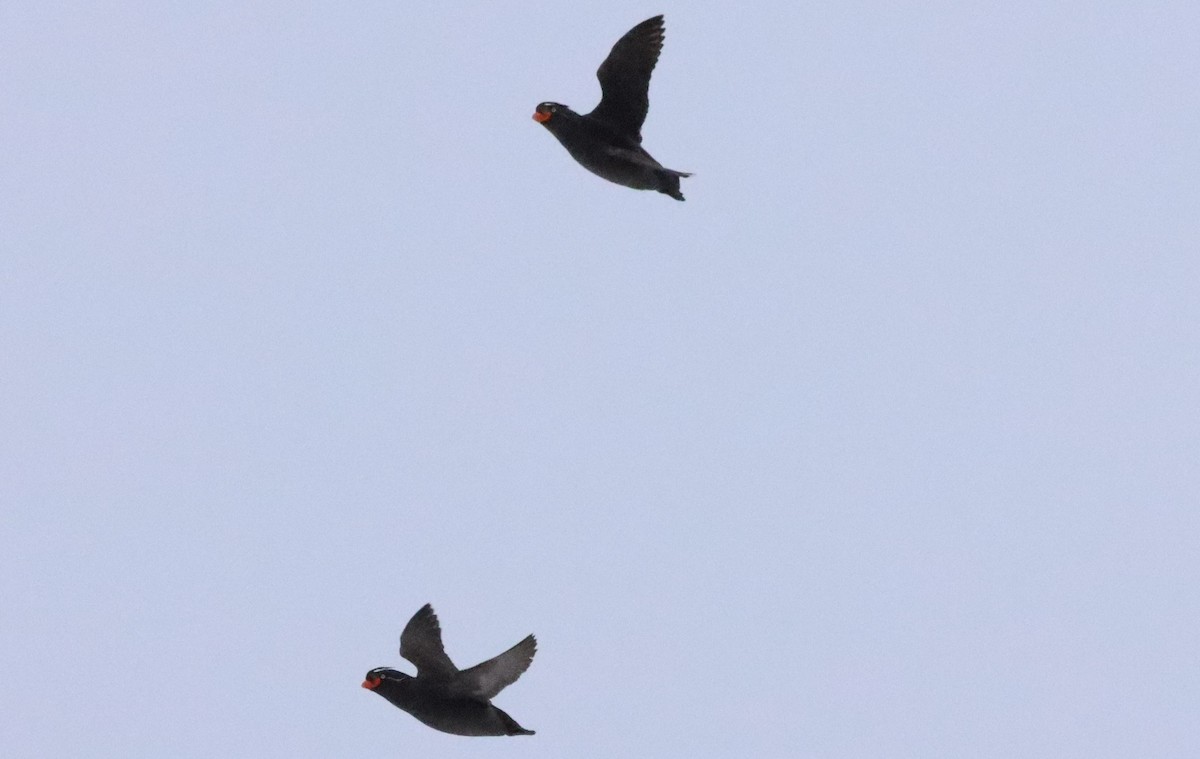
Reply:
x=379, y=675
x=547, y=111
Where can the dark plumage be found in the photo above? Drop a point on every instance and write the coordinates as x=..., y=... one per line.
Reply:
x=608, y=141
x=444, y=697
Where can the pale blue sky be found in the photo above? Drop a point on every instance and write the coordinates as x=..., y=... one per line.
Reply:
x=884, y=444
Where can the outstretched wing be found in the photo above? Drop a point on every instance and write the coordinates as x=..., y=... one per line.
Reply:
x=484, y=681
x=625, y=78
x=421, y=644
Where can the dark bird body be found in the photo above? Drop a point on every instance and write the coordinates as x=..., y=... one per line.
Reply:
x=444, y=697
x=608, y=141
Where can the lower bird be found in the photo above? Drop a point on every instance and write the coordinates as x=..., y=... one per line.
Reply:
x=444, y=697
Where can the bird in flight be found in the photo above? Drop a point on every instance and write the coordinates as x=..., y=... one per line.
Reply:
x=608, y=141
x=443, y=696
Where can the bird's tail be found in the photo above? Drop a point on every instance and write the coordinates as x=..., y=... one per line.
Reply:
x=669, y=182
x=510, y=725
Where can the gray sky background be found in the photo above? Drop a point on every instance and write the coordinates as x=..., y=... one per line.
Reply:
x=884, y=444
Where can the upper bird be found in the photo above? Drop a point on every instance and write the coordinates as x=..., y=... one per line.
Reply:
x=444, y=697
x=608, y=141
